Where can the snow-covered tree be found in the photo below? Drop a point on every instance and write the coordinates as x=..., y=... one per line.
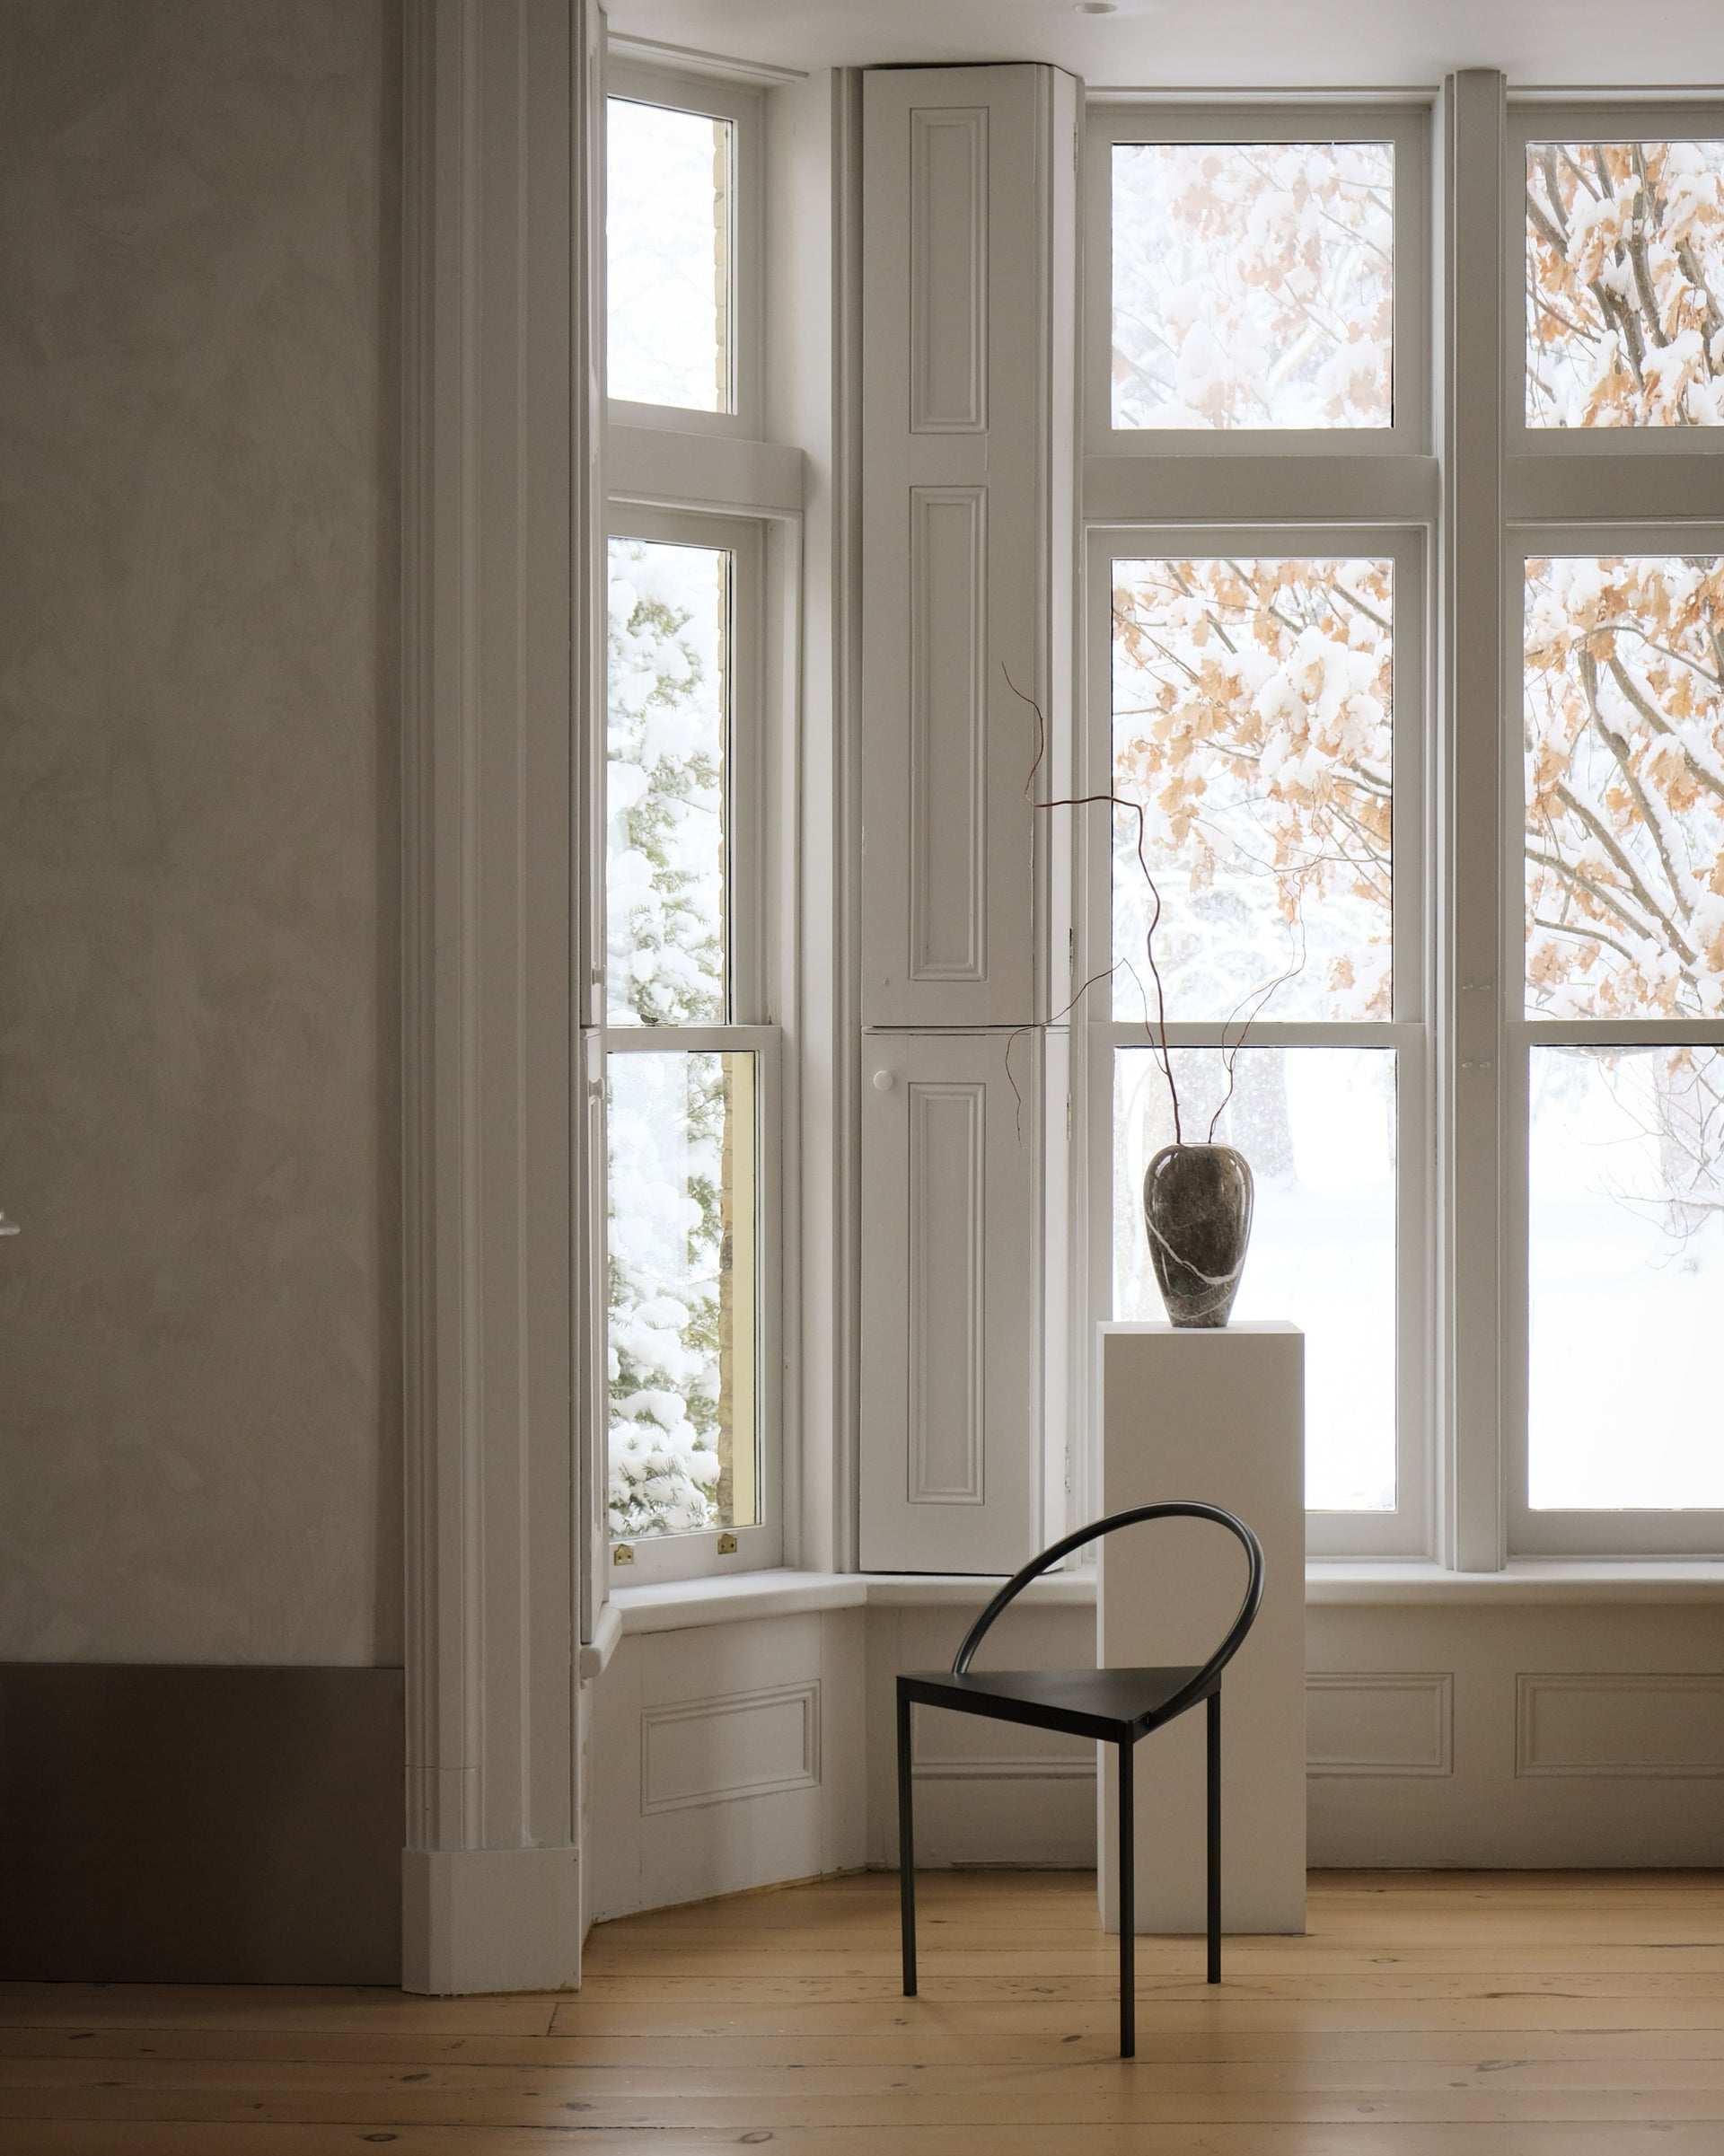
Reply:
x=1253, y=284
x=1625, y=284
x=1251, y=705
x=668, y=1110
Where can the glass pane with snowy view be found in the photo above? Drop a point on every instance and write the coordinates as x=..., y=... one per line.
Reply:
x=1253, y=729
x=1626, y=1274
x=1624, y=763
x=666, y=779
x=683, y=1303
x=1253, y=284
x=1318, y=1127
x=667, y=256
x=1624, y=283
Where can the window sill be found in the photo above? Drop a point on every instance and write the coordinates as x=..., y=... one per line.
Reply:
x=677, y=1605
x=1527, y=1580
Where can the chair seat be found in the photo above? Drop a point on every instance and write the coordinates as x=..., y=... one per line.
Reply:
x=1115, y=1705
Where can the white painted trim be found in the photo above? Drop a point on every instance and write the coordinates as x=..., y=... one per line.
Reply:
x=491, y=1920
x=1436, y=1687
x=690, y=59
x=717, y=1708
x=662, y=469
x=1468, y=1099
x=1526, y=1580
x=499, y=607
x=673, y=1606
x=1704, y=1688
x=595, y=1656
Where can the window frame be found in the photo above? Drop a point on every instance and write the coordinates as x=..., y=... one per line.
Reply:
x=658, y=1558
x=1541, y=120
x=1406, y=1531
x=744, y=106
x=1404, y=125
x=747, y=1024
x=1626, y=1531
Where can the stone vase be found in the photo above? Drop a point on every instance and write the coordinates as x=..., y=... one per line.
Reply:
x=1197, y=1202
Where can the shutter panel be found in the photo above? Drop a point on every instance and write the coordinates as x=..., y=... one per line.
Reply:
x=951, y=1302
x=968, y=206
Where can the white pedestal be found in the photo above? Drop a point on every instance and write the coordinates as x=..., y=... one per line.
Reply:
x=1217, y=1416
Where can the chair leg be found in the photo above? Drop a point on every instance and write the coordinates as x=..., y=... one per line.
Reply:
x=906, y=1850
x=1215, y=1835
x=1128, y=1910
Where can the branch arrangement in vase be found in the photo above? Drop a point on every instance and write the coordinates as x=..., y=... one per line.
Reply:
x=1198, y=1195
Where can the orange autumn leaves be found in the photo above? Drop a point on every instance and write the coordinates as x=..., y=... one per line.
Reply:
x=1625, y=284
x=1624, y=756
x=1253, y=719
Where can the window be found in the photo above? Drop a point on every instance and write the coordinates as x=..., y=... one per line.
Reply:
x=693, y=1091
x=1613, y=883
x=684, y=253
x=1257, y=711
x=1262, y=730
x=1623, y=849
x=1624, y=255
x=669, y=190
x=1254, y=284
x=1255, y=281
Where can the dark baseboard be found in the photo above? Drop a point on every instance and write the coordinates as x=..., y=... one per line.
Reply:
x=175, y=1825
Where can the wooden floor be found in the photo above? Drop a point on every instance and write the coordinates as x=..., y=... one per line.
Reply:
x=1424, y=2015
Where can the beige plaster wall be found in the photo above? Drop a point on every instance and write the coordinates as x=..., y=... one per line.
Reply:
x=199, y=1422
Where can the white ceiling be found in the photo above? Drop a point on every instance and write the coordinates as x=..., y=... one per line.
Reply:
x=1243, y=43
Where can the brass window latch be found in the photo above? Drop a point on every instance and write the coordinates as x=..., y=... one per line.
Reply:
x=622, y=1552
x=726, y=1546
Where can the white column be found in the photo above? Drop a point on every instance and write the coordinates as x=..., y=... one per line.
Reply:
x=497, y=582
x=1218, y=1416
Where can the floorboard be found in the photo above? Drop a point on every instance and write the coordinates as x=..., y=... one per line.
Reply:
x=1449, y=2014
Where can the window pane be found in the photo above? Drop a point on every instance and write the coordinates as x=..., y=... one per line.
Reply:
x=1626, y=1272
x=668, y=193
x=683, y=1292
x=1625, y=276
x=1253, y=284
x=668, y=734
x=1624, y=746
x=1318, y=1127
x=1252, y=704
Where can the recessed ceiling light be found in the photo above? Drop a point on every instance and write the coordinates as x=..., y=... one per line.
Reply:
x=1095, y=7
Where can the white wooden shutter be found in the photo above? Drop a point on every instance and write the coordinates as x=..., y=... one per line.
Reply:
x=951, y=1291
x=968, y=568
x=968, y=311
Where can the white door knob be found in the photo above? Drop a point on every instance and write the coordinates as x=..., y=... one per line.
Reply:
x=883, y=1081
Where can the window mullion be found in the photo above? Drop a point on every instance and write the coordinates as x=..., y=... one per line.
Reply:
x=1470, y=988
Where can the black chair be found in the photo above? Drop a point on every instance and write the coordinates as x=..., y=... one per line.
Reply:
x=1116, y=1706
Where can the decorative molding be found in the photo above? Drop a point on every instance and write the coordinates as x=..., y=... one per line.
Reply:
x=692, y=59
x=742, y=1731
x=947, y=1290
x=496, y=666
x=948, y=271
x=1616, y=1724
x=1398, y=1722
x=948, y=734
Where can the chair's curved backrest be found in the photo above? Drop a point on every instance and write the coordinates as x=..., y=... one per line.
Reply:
x=1178, y=1507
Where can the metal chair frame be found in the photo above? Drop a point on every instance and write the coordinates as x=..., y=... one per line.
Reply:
x=1083, y=1713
